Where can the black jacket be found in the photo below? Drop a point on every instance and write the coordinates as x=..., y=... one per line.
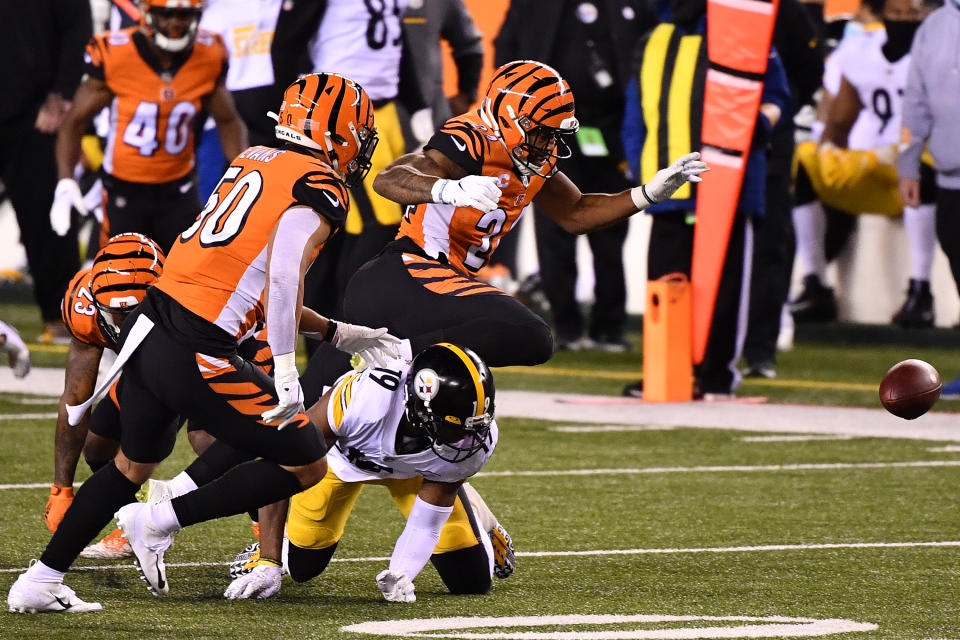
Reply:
x=41, y=45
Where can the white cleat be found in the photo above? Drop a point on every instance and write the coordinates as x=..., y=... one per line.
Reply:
x=148, y=543
x=32, y=596
x=158, y=491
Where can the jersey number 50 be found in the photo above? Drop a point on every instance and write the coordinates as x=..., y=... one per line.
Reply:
x=221, y=220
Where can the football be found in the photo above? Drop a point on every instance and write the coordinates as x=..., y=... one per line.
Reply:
x=910, y=388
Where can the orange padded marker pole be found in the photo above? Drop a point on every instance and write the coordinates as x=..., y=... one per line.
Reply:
x=666, y=340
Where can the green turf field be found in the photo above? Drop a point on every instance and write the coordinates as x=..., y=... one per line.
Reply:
x=687, y=533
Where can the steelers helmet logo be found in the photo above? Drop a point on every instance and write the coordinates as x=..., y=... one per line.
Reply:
x=426, y=384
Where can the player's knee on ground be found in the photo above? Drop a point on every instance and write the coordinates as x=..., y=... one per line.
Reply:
x=304, y=564
x=465, y=571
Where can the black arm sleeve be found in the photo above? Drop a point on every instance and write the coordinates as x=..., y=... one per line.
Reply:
x=75, y=28
x=297, y=23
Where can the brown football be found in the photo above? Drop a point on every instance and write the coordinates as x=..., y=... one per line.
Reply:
x=910, y=388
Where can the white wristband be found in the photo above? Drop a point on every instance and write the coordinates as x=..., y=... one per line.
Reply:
x=640, y=201
x=437, y=190
x=285, y=362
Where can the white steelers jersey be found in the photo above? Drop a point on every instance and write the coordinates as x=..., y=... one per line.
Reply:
x=362, y=40
x=880, y=85
x=247, y=28
x=364, y=411
x=861, y=136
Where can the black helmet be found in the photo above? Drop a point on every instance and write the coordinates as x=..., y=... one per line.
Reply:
x=449, y=400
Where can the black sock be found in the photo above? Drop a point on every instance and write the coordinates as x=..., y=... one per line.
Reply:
x=248, y=486
x=304, y=564
x=97, y=500
x=215, y=461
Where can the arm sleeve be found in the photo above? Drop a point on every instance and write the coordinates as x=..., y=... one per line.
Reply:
x=776, y=90
x=917, y=120
x=75, y=27
x=419, y=538
x=297, y=24
x=466, y=42
x=294, y=229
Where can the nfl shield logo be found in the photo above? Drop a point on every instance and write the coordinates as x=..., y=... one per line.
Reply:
x=167, y=93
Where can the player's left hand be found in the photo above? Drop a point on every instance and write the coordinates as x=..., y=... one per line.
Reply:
x=261, y=583
x=666, y=181
x=395, y=586
x=375, y=346
x=57, y=504
x=286, y=381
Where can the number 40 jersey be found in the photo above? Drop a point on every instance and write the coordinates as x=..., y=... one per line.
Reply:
x=152, y=113
x=364, y=410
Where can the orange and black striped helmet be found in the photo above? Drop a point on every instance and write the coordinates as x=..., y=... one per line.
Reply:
x=165, y=38
x=333, y=115
x=122, y=271
x=531, y=108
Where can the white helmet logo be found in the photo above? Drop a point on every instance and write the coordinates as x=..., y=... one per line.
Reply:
x=426, y=384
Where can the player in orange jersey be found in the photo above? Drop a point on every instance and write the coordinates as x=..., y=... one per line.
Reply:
x=156, y=79
x=463, y=192
x=239, y=265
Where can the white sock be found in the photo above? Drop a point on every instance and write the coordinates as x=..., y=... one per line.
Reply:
x=42, y=573
x=810, y=226
x=164, y=517
x=920, y=224
x=406, y=350
x=181, y=484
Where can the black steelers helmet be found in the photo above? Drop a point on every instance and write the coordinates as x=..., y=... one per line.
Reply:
x=449, y=400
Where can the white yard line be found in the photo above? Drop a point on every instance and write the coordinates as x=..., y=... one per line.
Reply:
x=27, y=416
x=592, y=552
x=806, y=438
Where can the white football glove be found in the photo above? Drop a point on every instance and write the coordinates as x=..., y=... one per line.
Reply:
x=261, y=583
x=14, y=346
x=479, y=192
x=666, y=181
x=395, y=586
x=376, y=346
x=286, y=380
x=421, y=125
x=66, y=197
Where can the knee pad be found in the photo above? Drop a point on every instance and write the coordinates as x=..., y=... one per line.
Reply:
x=304, y=564
x=465, y=571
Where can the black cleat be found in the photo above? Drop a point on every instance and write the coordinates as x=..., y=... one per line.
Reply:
x=816, y=303
x=917, y=309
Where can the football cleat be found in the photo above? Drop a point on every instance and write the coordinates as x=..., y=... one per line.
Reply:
x=33, y=596
x=917, y=310
x=148, y=543
x=245, y=561
x=816, y=302
x=504, y=558
x=112, y=547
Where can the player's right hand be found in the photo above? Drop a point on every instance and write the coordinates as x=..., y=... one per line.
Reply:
x=479, y=192
x=57, y=504
x=261, y=583
x=395, y=586
x=683, y=170
x=287, y=383
x=66, y=197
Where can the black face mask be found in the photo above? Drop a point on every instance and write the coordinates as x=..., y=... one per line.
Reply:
x=687, y=12
x=899, y=38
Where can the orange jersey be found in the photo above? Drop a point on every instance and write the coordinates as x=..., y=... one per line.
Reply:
x=79, y=313
x=217, y=268
x=152, y=114
x=465, y=235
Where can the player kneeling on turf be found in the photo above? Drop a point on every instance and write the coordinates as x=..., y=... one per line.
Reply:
x=420, y=430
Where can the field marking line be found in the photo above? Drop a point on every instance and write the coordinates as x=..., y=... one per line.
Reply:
x=593, y=552
x=826, y=466
x=796, y=438
x=27, y=416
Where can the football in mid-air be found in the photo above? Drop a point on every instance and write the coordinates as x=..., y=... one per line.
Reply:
x=910, y=388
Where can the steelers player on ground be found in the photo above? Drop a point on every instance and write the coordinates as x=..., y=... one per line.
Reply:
x=419, y=429
x=463, y=192
x=853, y=169
x=363, y=41
x=239, y=265
x=155, y=78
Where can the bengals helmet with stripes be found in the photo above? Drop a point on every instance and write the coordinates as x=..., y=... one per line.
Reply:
x=530, y=107
x=449, y=400
x=333, y=115
x=176, y=36
x=122, y=271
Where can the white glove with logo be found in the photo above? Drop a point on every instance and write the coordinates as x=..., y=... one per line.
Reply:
x=395, y=586
x=666, y=181
x=261, y=583
x=286, y=380
x=376, y=346
x=66, y=197
x=479, y=192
